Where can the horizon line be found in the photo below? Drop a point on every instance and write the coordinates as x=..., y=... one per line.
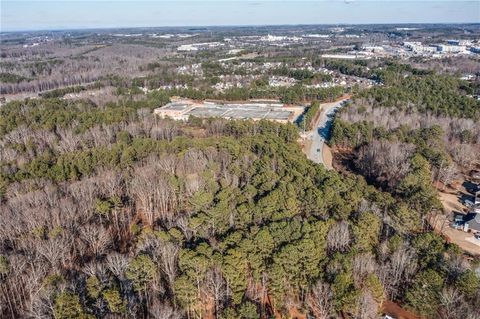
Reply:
x=235, y=26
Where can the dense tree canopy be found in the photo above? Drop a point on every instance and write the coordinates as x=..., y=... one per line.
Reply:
x=235, y=222
x=109, y=211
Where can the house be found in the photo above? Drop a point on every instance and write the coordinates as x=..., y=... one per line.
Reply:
x=471, y=221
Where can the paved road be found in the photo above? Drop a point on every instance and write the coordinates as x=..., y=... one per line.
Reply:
x=321, y=133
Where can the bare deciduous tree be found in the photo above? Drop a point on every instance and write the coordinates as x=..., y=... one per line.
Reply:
x=215, y=287
x=363, y=265
x=163, y=311
x=465, y=155
x=319, y=301
x=168, y=260
x=338, y=238
x=117, y=264
x=56, y=250
x=451, y=304
x=367, y=306
x=398, y=271
x=385, y=161
x=97, y=238
x=154, y=193
x=446, y=173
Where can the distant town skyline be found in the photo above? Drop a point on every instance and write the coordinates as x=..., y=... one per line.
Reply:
x=21, y=15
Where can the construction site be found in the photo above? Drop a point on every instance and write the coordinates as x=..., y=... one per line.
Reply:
x=182, y=109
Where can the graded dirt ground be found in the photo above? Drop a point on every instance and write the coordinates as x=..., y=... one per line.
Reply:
x=327, y=157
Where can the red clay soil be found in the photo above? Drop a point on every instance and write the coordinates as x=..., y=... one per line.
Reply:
x=209, y=310
x=270, y=307
x=207, y=307
x=392, y=309
x=343, y=97
x=327, y=156
x=295, y=314
x=305, y=145
x=265, y=300
x=441, y=187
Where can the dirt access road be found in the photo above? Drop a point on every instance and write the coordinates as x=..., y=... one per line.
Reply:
x=316, y=149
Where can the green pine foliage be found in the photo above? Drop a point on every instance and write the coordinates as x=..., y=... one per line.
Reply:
x=245, y=212
x=308, y=117
x=140, y=272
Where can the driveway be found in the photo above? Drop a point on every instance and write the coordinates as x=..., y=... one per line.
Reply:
x=464, y=240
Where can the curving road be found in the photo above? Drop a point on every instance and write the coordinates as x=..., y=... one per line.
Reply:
x=321, y=133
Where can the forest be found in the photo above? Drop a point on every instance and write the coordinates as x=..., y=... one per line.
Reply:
x=108, y=211
x=416, y=125
x=428, y=115
x=136, y=216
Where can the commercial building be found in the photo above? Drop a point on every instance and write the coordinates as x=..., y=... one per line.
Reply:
x=346, y=56
x=187, y=48
x=460, y=42
x=175, y=110
x=373, y=48
x=475, y=49
x=199, y=46
x=446, y=48
x=183, y=109
x=418, y=47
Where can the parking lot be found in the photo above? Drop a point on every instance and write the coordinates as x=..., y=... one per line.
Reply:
x=183, y=109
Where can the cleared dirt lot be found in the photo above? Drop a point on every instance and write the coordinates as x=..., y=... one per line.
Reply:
x=327, y=157
x=393, y=309
x=451, y=202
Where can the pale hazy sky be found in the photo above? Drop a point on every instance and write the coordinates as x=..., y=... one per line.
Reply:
x=71, y=14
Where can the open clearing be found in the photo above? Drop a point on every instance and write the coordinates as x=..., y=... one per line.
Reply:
x=327, y=156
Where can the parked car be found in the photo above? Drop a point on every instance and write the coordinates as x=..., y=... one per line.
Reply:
x=457, y=225
x=467, y=202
